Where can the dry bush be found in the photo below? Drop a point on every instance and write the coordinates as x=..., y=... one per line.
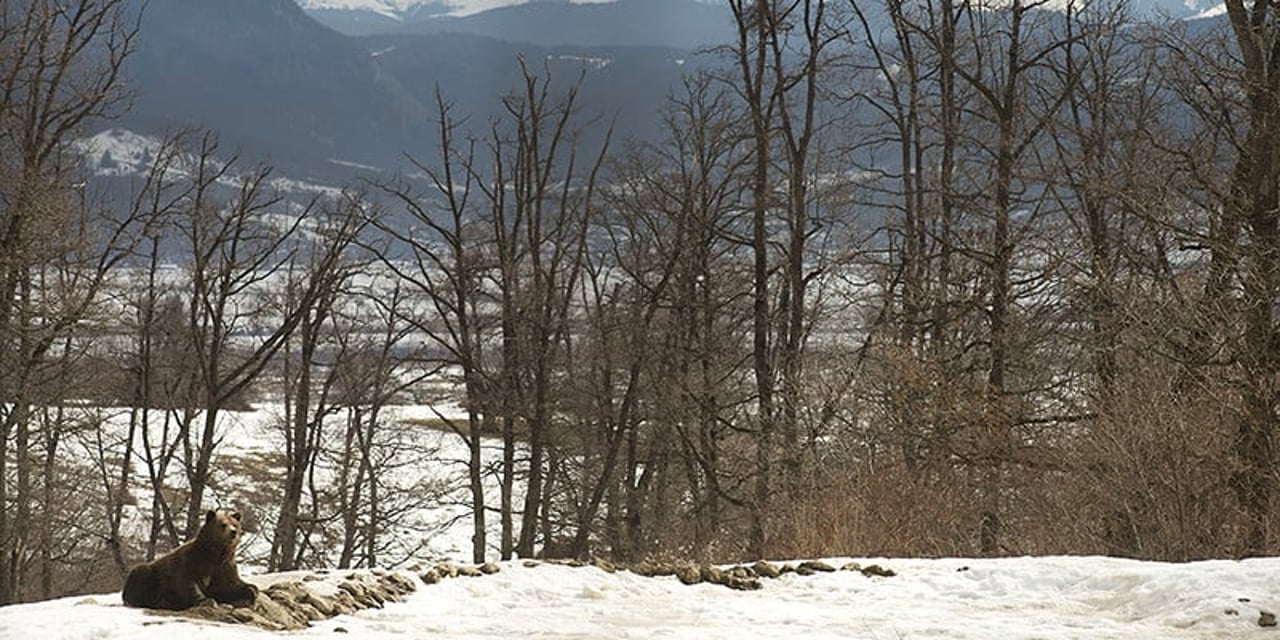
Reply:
x=895, y=511
x=1152, y=477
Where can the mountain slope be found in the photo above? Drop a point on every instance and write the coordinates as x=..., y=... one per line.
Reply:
x=269, y=79
x=279, y=87
x=684, y=24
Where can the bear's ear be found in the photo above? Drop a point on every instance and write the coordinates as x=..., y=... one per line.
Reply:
x=235, y=515
x=209, y=516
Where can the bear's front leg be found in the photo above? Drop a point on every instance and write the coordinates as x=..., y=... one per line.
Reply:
x=183, y=597
x=227, y=587
x=242, y=595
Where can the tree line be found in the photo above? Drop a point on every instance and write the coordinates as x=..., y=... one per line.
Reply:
x=929, y=277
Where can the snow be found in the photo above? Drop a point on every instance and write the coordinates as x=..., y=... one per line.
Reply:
x=118, y=152
x=1054, y=598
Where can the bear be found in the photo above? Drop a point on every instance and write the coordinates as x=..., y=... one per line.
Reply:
x=200, y=570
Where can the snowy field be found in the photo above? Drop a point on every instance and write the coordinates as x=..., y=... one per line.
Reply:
x=1026, y=598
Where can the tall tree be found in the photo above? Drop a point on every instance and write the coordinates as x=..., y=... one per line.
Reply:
x=439, y=257
x=1253, y=203
x=60, y=66
x=320, y=271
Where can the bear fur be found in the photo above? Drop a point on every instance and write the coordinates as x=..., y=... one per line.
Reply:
x=200, y=570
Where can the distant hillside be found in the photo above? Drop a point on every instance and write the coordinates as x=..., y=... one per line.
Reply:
x=682, y=24
x=270, y=79
x=282, y=88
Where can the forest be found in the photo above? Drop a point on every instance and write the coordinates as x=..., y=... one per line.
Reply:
x=903, y=278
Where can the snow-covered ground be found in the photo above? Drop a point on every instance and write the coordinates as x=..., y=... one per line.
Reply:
x=1022, y=598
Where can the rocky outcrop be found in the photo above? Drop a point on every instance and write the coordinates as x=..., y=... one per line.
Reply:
x=740, y=577
x=293, y=604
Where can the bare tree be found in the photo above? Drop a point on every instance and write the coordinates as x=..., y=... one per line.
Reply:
x=1229, y=84
x=60, y=64
x=323, y=267
x=1017, y=99
x=668, y=306
x=539, y=219
x=439, y=257
x=236, y=245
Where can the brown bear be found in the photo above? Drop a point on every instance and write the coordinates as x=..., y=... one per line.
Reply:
x=200, y=570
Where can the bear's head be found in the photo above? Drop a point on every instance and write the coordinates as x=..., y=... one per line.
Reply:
x=221, y=528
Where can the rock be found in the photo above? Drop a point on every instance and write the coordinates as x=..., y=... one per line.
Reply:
x=360, y=594
x=343, y=603
x=712, y=574
x=689, y=574
x=764, y=569
x=469, y=572
x=322, y=606
x=878, y=571
x=645, y=569
x=399, y=584
x=743, y=584
x=818, y=566
x=852, y=566
x=431, y=577
x=1266, y=619
x=490, y=568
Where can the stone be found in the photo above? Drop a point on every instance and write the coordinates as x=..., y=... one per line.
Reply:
x=875, y=570
x=689, y=574
x=816, y=566
x=764, y=569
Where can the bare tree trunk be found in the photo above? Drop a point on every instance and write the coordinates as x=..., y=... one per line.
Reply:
x=754, y=20
x=62, y=73
x=1255, y=199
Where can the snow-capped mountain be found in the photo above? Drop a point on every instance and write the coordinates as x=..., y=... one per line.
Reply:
x=405, y=9
x=1178, y=9
x=682, y=24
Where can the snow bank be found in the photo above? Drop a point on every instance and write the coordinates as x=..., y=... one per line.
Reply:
x=1055, y=598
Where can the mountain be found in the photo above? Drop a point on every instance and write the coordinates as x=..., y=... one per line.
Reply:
x=414, y=9
x=684, y=24
x=270, y=79
x=624, y=86
x=1177, y=9
x=364, y=17
x=320, y=106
